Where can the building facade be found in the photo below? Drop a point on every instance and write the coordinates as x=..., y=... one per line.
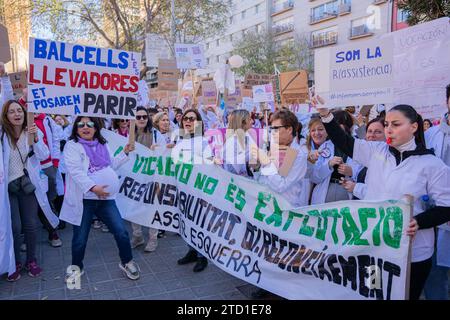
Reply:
x=16, y=17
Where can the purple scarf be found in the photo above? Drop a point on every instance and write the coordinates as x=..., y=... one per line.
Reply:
x=97, y=153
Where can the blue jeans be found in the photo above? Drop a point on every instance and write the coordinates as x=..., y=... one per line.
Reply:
x=436, y=287
x=108, y=212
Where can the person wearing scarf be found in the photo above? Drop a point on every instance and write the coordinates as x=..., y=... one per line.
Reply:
x=91, y=188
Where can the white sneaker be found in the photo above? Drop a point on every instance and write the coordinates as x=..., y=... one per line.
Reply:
x=137, y=241
x=105, y=228
x=72, y=277
x=23, y=247
x=97, y=224
x=151, y=246
x=131, y=269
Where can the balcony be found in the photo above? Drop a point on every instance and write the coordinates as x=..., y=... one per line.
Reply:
x=282, y=7
x=345, y=8
x=283, y=28
x=378, y=1
x=323, y=17
x=360, y=32
x=324, y=39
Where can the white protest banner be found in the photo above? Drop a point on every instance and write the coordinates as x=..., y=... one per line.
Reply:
x=74, y=79
x=357, y=73
x=190, y=56
x=422, y=67
x=155, y=48
x=263, y=93
x=339, y=250
x=409, y=66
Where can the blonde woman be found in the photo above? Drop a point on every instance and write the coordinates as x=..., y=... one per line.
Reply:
x=161, y=129
x=237, y=144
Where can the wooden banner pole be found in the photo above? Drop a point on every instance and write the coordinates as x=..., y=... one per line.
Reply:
x=30, y=122
x=132, y=132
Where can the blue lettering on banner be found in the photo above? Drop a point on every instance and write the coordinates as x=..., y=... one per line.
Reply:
x=52, y=50
x=355, y=55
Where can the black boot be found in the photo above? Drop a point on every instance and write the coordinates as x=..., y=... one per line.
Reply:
x=191, y=256
x=201, y=264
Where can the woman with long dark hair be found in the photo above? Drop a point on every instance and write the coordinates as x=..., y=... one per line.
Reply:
x=402, y=165
x=91, y=187
x=26, y=188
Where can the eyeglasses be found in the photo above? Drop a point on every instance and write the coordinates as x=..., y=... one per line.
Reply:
x=190, y=119
x=276, y=128
x=89, y=124
x=124, y=120
x=141, y=117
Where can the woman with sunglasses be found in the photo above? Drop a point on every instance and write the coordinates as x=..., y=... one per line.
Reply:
x=283, y=131
x=192, y=147
x=26, y=186
x=144, y=136
x=402, y=165
x=91, y=188
x=332, y=165
x=121, y=126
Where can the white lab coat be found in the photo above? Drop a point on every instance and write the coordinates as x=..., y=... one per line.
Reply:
x=193, y=150
x=417, y=175
x=235, y=155
x=291, y=186
x=38, y=178
x=7, y=258
x=321, y=174
x=77, y=180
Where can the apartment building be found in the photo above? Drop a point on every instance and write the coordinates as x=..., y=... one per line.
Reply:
x=337, y=22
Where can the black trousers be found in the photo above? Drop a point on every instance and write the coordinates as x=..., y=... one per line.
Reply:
x=419, y=274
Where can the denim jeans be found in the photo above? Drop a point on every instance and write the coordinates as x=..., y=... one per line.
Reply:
x=436, y=287
x=108, y=212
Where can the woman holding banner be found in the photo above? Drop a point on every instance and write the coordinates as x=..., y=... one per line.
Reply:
x=331, y=166
x=144, y=136
x=402, y=166
x=26, y=186
x=283, y=146
x=91, y=188
x=193, y=147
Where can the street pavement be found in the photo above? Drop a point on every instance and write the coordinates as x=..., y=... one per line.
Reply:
x=161, y=277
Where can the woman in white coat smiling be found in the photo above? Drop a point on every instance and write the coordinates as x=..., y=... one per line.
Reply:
x=27, y=187
x=91, y=188
x=402, y=166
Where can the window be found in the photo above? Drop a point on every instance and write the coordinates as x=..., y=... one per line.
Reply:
x=257, y=9
x=284, y=25
x=207, y=46
x=259, y=27
x=323, y=11
x=231, y=20
x=243, y=14
x=324, y=37
x=217, y=59
x=360, y=27
x=231, y=38
x=402, y=15
x=218, y=42
x=207, y=60
x=243, y=33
